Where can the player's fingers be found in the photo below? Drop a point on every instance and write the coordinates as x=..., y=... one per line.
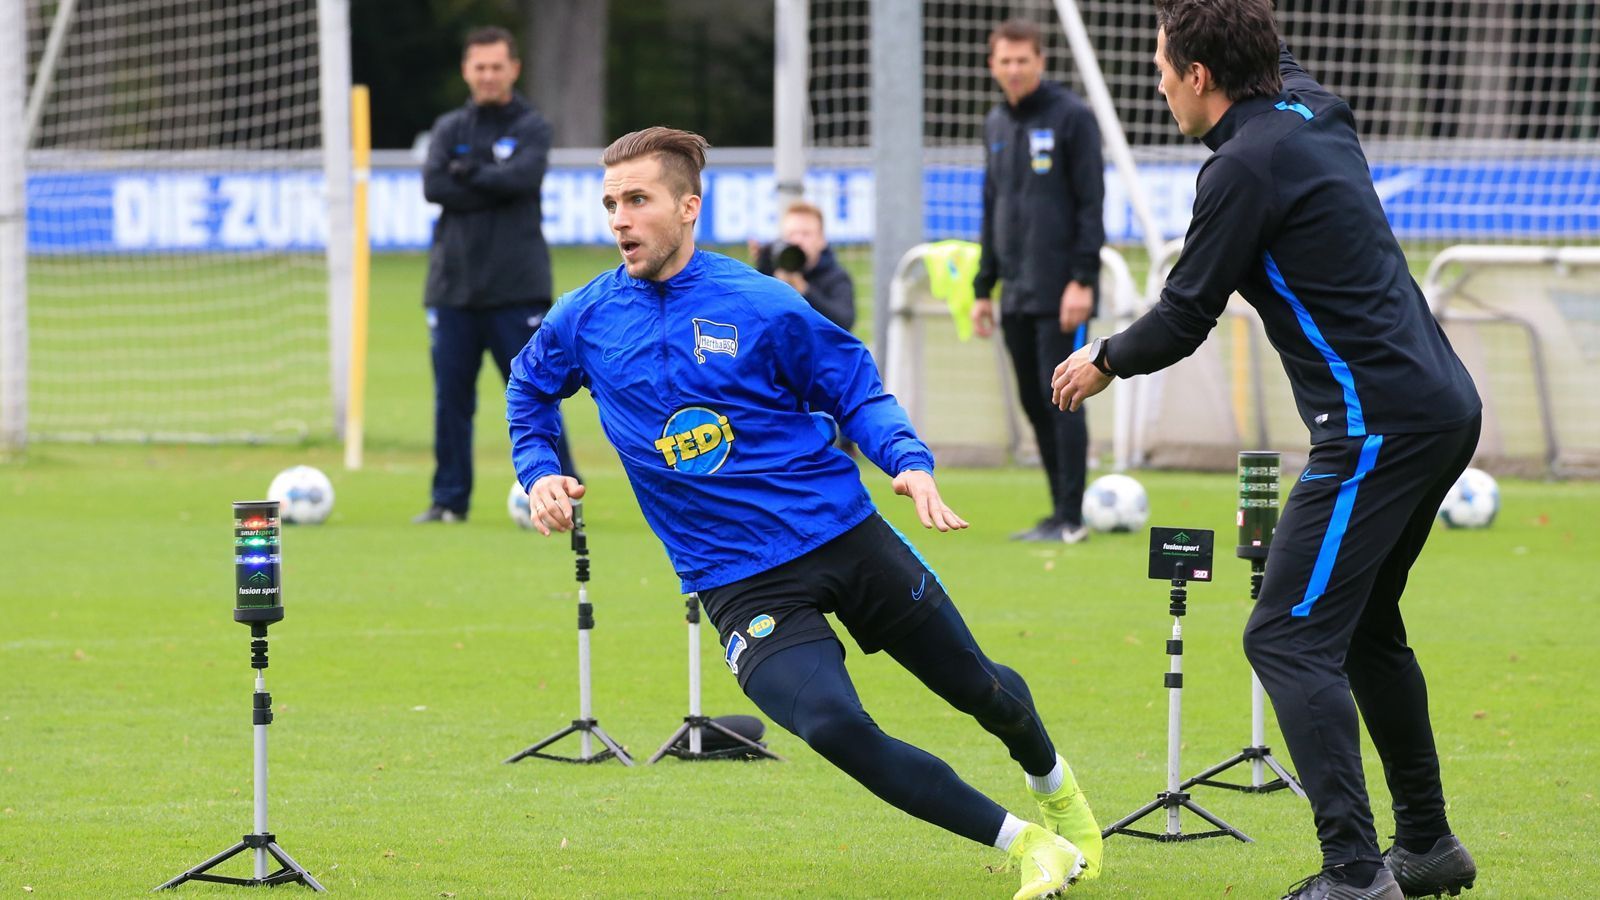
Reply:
x=950, y=520
x=924, y=510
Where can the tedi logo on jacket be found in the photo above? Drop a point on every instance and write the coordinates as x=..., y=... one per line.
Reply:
x=696, y=440
x=714, y=337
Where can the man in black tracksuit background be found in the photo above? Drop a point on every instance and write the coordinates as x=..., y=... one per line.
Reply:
x=1286, y=214
x=489, y=268
x=1043, y=226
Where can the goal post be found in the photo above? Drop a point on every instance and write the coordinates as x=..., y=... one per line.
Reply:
x=186, y=235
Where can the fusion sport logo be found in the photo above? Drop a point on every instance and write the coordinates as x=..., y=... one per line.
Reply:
x=696, y=440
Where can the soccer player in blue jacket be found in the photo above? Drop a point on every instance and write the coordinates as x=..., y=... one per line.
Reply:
x=705, y=373
x=1285, y=214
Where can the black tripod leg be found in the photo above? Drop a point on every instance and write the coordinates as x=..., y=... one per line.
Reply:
x=682, y=730
x=1217, y=769
x=1222, y=826
x=750, y=745
x=1145, y=810
x=543, y=744
x=297, y=872
x=621, y=754
x=1289, y=781
x=222, y=857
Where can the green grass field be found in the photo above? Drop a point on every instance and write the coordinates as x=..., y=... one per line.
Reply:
x=414, y=659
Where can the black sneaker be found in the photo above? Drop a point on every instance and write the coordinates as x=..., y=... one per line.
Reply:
x=439, y=514
x=1445, y=869
x=1047, y=529
x=1330, y=884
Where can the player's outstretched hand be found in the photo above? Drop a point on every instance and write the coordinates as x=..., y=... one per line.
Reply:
x=550, y=502
x=1076, y=380
x=918, y=485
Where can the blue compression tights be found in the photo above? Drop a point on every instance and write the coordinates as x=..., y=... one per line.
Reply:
x=806, y=689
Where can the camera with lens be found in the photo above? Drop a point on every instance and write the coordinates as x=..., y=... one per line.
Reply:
x=780, y=256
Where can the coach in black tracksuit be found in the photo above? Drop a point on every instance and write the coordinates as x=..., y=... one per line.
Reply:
x=1043, y=225
x=1285, y=214
x=489, y=269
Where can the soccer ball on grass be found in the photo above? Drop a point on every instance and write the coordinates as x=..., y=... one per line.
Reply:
x=304, y=495
x=1115, y=503
x=1473, y=501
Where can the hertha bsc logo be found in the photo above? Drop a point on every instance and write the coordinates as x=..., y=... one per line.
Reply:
x=714, y=337
x=696, y=440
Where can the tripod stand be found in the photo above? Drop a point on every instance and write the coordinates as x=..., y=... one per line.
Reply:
x=1257, y=754
x=262, y=842
x=694, y=724
x=585, y=726
x=1174, y=799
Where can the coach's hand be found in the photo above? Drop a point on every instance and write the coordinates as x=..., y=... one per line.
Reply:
x=982, y=317
x=1076, y=380
x=918, y=485
x=1077, y=302
x=550, y=502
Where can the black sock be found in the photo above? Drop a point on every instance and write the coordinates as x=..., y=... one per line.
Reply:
x=1359, y=873
x=1417, y=844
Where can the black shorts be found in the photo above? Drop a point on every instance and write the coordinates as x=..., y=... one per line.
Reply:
x=870, y=577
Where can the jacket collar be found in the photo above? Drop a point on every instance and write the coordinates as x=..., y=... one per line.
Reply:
x=1234, y=119
x=687, y=277
x=1040, y=98
x=515, y=106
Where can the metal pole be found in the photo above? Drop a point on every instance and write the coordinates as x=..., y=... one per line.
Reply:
x=896, y=149
x=694, y=681
x=333, y=30
x=261, y=782
x=13, y=228
x=583, y=676
x=44, y=77
x=1258, y=728
x=789, y=113
x=1175, y=727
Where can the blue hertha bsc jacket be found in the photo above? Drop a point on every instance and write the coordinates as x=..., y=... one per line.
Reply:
x=705, y=384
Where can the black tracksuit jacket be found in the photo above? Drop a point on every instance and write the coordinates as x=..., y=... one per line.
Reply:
x=1285, y=213
x=488, y=246
x=1043, y=200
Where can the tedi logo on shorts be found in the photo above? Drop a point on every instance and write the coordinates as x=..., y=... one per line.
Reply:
x=696, y=440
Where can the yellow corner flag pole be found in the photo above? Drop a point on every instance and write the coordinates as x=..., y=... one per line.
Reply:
x=361, y=263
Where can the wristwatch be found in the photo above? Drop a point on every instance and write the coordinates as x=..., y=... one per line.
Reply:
x=1097, y=355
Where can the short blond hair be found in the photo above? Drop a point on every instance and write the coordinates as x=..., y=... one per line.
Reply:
x=682, y=155
x=802, y=208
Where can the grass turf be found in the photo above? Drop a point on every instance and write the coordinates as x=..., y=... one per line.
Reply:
x=414, y=659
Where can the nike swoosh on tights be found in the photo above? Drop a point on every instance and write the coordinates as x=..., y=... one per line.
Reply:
x=921, y=588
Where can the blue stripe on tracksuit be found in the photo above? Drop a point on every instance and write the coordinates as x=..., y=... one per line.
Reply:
x=1337, y=524
x=917, y=553
x=1355, y=421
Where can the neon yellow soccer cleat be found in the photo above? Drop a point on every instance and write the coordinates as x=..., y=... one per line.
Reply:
x=1048, y=863
x=1067, y=813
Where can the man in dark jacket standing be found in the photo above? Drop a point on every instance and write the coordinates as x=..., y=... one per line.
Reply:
x=1043, y=225
x=489, y=269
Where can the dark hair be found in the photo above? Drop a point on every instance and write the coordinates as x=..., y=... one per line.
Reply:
x=682, y=155
x=1017, y=30
x=492, y=34
x=1236, y=39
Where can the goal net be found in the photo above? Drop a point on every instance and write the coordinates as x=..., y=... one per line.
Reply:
x=1481, y=121
x=178, y=288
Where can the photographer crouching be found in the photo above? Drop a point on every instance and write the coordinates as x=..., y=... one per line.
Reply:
x=801, y=258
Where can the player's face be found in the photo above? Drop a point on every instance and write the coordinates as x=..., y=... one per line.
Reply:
x=804, y=231
x=490, y=72
x=1017, y=67
x=654, y=229
x=1179, y=91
